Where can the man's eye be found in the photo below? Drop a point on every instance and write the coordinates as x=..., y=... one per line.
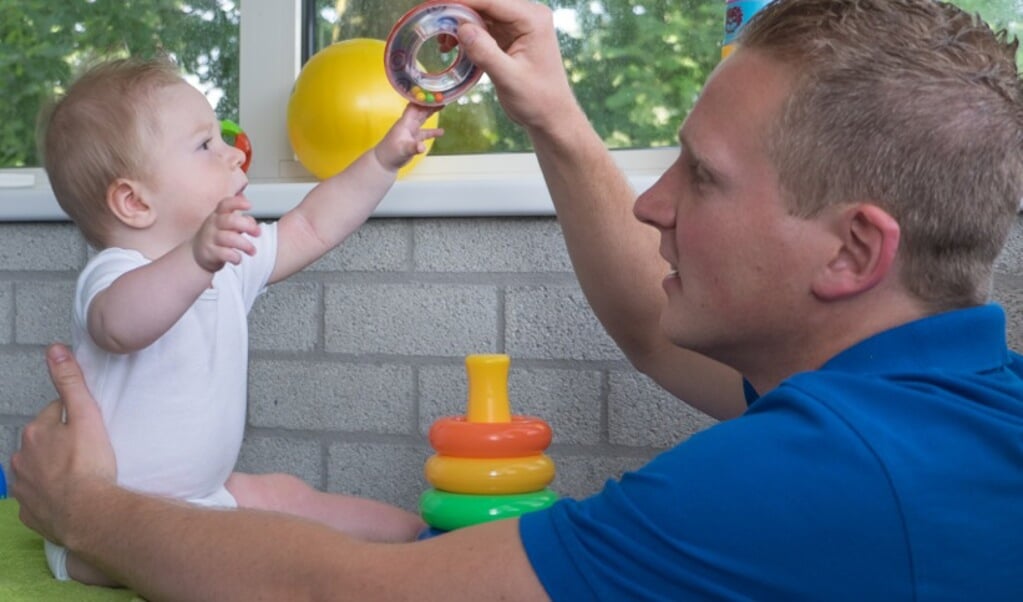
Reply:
x=698, y=173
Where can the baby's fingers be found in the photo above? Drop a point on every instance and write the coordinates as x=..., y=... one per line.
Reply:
x=235, y=221
x=232, y=204
x=232, y=242
x=427, y=133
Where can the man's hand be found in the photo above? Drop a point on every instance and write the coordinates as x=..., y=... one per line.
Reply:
x=519, y=52
x=64, y=452
x=220, y=239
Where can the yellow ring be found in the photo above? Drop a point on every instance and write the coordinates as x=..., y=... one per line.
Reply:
x=489, y=476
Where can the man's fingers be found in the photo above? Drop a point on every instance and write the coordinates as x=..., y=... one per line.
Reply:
x=51, y=413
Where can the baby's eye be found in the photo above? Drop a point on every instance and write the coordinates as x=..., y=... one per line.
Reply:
x=206, y=144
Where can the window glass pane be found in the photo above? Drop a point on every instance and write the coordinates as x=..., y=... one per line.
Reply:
x=46, y=43
x=636, y=66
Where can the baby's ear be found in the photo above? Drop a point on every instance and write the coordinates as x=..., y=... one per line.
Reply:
x=126, y=202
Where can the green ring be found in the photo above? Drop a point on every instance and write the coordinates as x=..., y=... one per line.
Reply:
x=447, y=511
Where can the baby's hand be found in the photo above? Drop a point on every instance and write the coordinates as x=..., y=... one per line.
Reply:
x=220, y=239
x=407, y=137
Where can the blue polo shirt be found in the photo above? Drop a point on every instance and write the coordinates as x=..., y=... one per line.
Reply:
x=894, y=472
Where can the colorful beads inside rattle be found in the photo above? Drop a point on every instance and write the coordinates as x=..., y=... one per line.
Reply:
x=427, y=98
x=426, y=22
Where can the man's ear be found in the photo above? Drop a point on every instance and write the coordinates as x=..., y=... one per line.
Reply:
x=868, y=242
x=126, y=202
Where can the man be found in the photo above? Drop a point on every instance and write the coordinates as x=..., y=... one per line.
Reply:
x=844, y=185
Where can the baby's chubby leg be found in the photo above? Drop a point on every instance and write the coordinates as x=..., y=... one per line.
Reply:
x=359, y=517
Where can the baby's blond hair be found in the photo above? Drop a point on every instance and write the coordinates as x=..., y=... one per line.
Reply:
x=96, y=133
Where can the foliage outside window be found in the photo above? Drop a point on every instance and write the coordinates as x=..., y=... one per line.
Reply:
x=46, y=43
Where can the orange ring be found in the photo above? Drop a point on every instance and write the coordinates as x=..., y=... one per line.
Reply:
x=523, y=436
x=490, y=476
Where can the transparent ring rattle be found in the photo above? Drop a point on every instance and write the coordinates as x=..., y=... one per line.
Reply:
x=421, y=24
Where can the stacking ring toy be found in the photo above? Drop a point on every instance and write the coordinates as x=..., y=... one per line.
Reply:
x=421, y=24
x=456, y=436
x=234, y=135
x=449, y=511
x=489, y=475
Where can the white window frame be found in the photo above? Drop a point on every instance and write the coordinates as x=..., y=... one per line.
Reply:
x=496, y=184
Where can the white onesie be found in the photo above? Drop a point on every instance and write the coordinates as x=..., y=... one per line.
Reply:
x=175, y=411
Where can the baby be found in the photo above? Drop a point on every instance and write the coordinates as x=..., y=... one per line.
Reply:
x=135, y=157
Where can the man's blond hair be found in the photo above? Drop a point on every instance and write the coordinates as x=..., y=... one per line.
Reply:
x=913, y=105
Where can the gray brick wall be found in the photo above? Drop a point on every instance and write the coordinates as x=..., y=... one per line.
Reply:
x=353, y=359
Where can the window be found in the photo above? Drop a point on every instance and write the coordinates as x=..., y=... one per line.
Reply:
x=636, y=66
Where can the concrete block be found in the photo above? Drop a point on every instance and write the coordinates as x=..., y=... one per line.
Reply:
x=6, y=313
x=380, y=245
x=1008, y=292
x=41, y=247
x=331, y=396
x=554, y=322
x=27, y=388
x=10, y=437
x=286, y=318
x=303, y=458
x=410, y=319
x=43, y=311
x=391, y=473
x=490, y=245
x=1011, y=259
x=642, y=414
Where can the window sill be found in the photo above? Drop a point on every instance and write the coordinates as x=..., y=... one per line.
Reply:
x=474, y=187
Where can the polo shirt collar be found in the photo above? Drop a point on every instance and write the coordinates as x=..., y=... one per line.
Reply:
x=962, y=340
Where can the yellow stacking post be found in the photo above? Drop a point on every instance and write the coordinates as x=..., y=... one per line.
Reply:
x=490, y=464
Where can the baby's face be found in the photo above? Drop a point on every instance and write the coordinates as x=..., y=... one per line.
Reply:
x=191, y=167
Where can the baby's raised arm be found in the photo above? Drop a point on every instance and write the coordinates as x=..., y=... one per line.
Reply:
x=337, y=206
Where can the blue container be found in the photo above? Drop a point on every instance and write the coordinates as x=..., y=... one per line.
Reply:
x=3, y=484
x=737, y=14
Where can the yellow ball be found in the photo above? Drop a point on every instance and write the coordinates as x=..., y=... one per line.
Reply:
x=342, y=105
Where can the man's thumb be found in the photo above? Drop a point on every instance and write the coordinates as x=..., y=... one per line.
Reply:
x=481, y=48
x=66, y=376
